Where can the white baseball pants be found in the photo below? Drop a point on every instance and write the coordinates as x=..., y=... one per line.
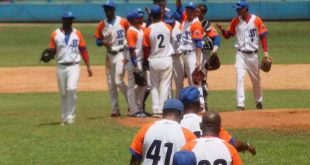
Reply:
x=178, y=72
x=190, y=65
x=68, y=77
x=248, y=63
x=135, y=93
x=115, y=77
x=161, y=79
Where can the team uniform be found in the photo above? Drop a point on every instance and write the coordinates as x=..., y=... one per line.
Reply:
x=247, y=39
x=213, y=150
x=135, y=93
x=191, y=31
x=178, y=64
x=68, y=57
x=116, y=33
x=192, y=122
x=157, y=37
x=157, y=142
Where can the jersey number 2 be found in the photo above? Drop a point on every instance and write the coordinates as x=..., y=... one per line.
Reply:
x=154, y=152
x=161, y=41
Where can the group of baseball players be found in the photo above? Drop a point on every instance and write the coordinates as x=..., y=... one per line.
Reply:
x=168, y=46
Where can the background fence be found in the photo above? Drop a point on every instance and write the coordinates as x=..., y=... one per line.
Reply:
x=90, y=10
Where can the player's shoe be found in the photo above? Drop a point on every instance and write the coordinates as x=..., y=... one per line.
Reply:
x=157, y=115
x=115, y=115
x=240, y=108
x=138, y=114
x=259, y=105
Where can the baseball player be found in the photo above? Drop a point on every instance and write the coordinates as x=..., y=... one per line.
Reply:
x=156, y=142
x=210, y=33
x=184, y=157
x=249, y=29
x=111, y=33
x=178, y=64
x=191, y=44
x=135, y=93
x=210, y=149
x=69, y=45
x=191, y=120
x=158, y=50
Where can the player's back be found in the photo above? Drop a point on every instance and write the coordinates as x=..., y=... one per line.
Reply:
x=159, y=35
x=212, y=150
x=192, y=122
x=162, y=140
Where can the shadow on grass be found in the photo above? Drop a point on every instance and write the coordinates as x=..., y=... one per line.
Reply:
x=96, y=118
x=49, y=124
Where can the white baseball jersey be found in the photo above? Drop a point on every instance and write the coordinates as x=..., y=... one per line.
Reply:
x=192, y=122
x=134, y=39
x=176, y=36
x=158, y=37
x=67, y=52
x=213, y=150
x=157, y=142
x=247, y=33
x=190, y=31
x=115, y=33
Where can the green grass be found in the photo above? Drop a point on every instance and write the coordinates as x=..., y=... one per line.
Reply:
x=30, y=131
x=288, y=43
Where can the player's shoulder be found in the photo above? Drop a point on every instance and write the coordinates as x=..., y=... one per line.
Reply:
x=235, y=20
x=258, y=20
x=168, y=26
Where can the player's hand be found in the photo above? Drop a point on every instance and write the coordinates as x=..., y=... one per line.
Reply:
x=198, y=64
x=266, y=54
x=90, y=72
x=252, y=149
x=219, y=26
x=107, y=43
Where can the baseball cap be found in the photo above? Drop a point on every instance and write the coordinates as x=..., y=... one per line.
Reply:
x=68, y=15
x=169, y=17
x=109, y=3
x=189, y=95
x=191, y=5
x=132, y=15
x=173, y=104
x=184, y=157
x=155, y=9
x=241, y=4
x=140, y=12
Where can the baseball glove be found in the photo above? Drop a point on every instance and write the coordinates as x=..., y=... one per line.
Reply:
x=197, y=76
x=139, y=78
x=213, y=63
x=47, y=55
x=111, y=51
x=266, y=64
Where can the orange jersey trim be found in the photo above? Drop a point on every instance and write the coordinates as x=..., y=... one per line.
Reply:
x=189, y=135
x=236, y=160
x=260, y=25
x=132, y=37
x=99, y=29
x=196, y=30
x=146, y=37
x=137, y=143
x=224, y=135
x=82, y=41
x=52, y=43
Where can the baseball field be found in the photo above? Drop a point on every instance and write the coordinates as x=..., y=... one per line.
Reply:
x=30, y=131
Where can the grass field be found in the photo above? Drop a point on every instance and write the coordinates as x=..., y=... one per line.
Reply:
x=29, y=122
x=288, y=43
x=30, y=132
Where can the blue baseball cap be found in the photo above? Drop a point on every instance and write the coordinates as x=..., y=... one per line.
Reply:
x=169, y=17
x=132, y=15
x=109, y=3
x=140, y=12
x=68, y=15
x=155, y=9
x=241, y=4
x=191, y=5
x=189, y=95
x=173, y=104
x=184, y=157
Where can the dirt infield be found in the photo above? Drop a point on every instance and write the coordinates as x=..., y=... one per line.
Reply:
x=43, y=79
x=275, y=119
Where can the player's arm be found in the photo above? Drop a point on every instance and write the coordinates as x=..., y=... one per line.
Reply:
x=197, y=32
x=135, y=160
x=84, y=53
x=215, y=38
x=52, y=44
x=231, y=29
x=99, y=37
x=146, y=46
x=262, y=30
x=131, y=43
